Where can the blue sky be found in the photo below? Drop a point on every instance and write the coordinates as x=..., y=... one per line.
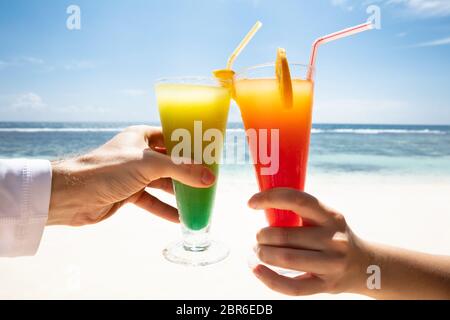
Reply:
x=106, y=70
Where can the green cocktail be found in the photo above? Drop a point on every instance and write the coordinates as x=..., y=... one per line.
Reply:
x=193, y=115
x=195, y=205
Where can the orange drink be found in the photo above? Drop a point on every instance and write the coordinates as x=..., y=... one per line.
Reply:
x=263, y=107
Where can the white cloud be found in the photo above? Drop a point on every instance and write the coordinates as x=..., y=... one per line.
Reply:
x=438, y=42
x=338, y=2
x=80, y=65
x=366, y=3
x=31, y=60
x=40, y=64
x=426, y=8
x=420, y=8
x=256, y=3
x=20, y=61
x=344, y=4
x=86, y=109
x=134, y=92
x=28, y=101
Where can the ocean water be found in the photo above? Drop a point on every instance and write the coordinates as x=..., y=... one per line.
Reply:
x=335, y=148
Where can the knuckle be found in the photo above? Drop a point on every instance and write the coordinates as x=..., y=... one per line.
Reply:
x=284, y=235
x=260, y=235
x=292, y=196
x=260, y=253
x=302, y=200
x=192, y=170
x=340, y=221
x=341, y=243
x=287, y=257
x=268, y=197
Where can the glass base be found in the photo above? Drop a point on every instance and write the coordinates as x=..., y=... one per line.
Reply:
x=253, y=261
x=179, y=253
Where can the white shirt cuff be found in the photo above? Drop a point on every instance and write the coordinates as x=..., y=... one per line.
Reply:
x=25, y=187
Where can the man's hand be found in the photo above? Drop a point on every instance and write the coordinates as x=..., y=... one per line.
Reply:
x=90, y=188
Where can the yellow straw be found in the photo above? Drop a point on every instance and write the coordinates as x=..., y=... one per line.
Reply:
x=242, y=45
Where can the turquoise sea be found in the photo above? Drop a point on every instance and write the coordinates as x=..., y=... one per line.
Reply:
x=335, y=148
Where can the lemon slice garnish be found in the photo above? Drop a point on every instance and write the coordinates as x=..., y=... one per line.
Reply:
x=284, y=78
x=225, y=77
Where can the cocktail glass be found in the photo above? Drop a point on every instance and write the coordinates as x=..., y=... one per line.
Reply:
x=263, y=111
x=192, y=111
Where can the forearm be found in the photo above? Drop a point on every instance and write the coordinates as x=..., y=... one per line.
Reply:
x=407, y=274
x=71, y=192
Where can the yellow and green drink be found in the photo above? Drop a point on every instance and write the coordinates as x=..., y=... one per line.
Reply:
x=193, y=114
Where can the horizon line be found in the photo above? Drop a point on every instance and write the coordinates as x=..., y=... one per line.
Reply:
x=229, y=122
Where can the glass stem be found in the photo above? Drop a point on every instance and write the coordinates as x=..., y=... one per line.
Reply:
x=195, y=240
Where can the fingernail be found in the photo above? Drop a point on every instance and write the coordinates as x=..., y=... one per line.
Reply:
x=252, y=203
x=256, y=271
x=207, y=177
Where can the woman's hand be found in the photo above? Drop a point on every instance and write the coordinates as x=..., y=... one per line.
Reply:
x=335, y=260
x=331, y=256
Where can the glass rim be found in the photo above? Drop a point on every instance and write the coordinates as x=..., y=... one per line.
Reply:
x=212, y=81
x=272, y=64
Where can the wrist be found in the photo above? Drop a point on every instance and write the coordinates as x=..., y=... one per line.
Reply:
x=60, y=197
x=364, y=258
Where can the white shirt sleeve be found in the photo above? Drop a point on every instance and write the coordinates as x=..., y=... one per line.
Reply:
x=25, y=187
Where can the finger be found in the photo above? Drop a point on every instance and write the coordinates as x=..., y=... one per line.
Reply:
x=301, y=203
x=162, y=150
x=313, y=238
x=295, y=259
x=155, y=138
x=164, y=184
x=300, y=286
x=152, y=135
x=194, y=175
x=152, y=204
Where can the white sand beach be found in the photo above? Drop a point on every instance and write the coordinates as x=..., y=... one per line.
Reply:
x=121, y=258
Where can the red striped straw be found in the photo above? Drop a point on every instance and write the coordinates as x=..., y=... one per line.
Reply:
x=335, y=36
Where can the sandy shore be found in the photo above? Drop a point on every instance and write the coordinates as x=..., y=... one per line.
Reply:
x=121, y=258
